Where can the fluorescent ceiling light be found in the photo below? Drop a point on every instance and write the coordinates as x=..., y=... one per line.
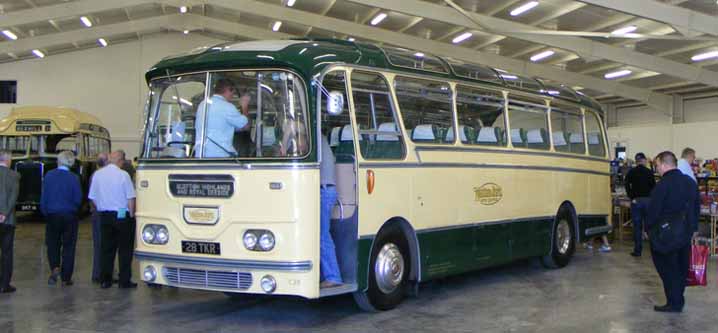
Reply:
x=460, y=38
x=38, y=53
x=86, y=21
x=542, y=55
x=377, y=19
x=509, y=76
x=524, y=8
x=351, y=39
x=185, y=32
x=9, y=34
x=290, y=3
x=704, y=56
x=102, y=42
x=624, y=30
x=553, y=92
x=276, y=26
x=614, y=75
x=183, y=9
x=419, y=55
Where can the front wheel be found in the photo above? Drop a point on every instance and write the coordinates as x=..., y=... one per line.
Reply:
x=388, y=273
x=563, y=242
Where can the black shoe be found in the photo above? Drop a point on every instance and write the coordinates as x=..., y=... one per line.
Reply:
x=128, y=285
x=635, y=254
x=666, y=308
x=106, y=284
x=67, y=283
x=52, y=280
x=96, y=281
x=8, y=289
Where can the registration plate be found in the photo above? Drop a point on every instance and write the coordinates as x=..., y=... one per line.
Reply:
x=200, y=247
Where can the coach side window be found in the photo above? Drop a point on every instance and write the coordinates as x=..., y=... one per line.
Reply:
x=594, y=134
x=426, y=109
x=567, y=129
x=481, y=117
x=529, y=126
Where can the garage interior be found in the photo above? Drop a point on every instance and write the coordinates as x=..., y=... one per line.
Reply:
x=651, y=64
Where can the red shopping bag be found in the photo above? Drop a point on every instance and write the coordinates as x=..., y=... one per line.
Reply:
x=697, y=270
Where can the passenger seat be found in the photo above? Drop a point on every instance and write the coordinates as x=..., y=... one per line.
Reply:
x=518, y=137
x=559, y=142
x=424, y=133
x=489, y=136
x=386, y=146
x=465, y=134
x=576, y=142
x=345, y=149
x=537, y=139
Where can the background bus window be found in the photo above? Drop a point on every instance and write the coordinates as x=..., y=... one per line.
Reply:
x=481, y=117
x=381, y=138
x=567, y=127
x=337, y=128
x=17, y=145
x=426, y=109
x=54, y=144
x=529, y=126
x=596, y=145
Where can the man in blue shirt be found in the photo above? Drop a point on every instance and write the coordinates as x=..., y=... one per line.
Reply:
x=217, y=120
x=60, y=201
x=688, y=156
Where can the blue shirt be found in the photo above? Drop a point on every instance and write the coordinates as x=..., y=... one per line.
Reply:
x=686, y=169
x=61, y=192
x=111, y=188
x=219, y=122
x=673, y=195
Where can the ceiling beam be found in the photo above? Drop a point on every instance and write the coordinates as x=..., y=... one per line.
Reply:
x=659, y=101
x=578, y=45
x=682, y=19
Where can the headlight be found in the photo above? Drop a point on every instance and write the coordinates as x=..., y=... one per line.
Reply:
x=150, y=273
x=266, y=241
x=250, y=240
x=268, y=283
x=155, y=234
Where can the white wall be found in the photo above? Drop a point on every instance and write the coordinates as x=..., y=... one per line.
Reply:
x=649, y=131
x=106, y=82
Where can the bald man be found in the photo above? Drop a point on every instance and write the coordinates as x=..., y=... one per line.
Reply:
x=113, y=195
x=102, y=160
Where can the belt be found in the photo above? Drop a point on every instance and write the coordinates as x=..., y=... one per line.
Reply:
x=326, y=186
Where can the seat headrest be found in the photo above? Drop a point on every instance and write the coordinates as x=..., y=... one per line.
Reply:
x=535, y=136
x=594, y=138
x=390, y=128
x=423, y=132
x=487, y=135
x=462, y=134
x=575, y=138
x=347, y=134
x=334, y=137
x=516, y=136
x=559, y=139
x=268, y=136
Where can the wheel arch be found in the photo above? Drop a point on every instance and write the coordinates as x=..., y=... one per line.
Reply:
x=410, y=235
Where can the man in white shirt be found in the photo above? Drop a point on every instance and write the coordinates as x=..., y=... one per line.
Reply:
x=688, y=156
x=218, y=121
x=113, y=194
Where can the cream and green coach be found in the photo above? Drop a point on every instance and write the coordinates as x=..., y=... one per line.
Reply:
x=442, y=167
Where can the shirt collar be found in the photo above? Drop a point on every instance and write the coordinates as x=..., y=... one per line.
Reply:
x=219, y=96
x=62, y=167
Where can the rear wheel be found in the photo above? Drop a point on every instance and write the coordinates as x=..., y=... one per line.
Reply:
x=388, y=272
x=563, y=242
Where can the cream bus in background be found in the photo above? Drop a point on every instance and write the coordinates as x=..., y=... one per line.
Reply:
x=442, y=167
x=36, y=134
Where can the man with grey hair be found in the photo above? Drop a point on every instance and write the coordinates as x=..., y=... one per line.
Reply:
x=9, y=189
x=127, y=164
x=60, y=202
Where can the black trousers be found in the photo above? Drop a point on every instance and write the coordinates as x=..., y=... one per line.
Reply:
x=673, y=270
x=117, y=239
x=61, y=239
x=7, y=243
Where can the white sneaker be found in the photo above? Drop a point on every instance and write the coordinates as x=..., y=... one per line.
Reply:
x=588, y=246
x=605, y=248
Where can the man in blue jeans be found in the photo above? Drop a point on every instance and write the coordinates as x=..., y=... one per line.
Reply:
x=330, y=275
x=639, y=184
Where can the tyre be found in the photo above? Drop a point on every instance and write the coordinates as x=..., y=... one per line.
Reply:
x=563, y=241
x=388, y=272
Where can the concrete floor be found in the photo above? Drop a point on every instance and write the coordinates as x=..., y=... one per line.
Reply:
x=596, y=293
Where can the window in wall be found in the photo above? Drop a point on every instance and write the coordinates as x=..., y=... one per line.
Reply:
x=529, y=126
x=375, y=117
x=8, y=92
x=426, y=109
x=567, y=127
x=481, y=117
x=596, y=142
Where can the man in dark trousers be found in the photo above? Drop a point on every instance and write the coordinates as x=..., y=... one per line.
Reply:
x=9, y=190
x=674, y=197
x=60, y=202
x=639, y=184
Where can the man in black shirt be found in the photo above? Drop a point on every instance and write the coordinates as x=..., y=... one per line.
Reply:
x=675, y=195
x=639, y=184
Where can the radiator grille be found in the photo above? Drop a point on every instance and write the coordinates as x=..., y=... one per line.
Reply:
x=207, y=279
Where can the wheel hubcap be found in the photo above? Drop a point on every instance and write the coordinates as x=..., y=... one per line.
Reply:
x=389, y=268
x=563, y=237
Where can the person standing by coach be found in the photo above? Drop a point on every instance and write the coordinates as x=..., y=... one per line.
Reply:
x=672, y=222
x=113, y=194
x=9, y=190
x=639, y=184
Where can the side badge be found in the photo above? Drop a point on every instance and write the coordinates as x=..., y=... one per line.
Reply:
x=488, y=194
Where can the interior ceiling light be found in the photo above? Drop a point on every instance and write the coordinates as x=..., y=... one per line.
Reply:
x=38, y=53
x=183, y=9
x=290, y=3
x=351, y=39
x=542, y=55
x=624, y=30
x=419, y=55
x=704, y=56
x=102, y=42
x=276, y=26
x=377, y=19
x=86, y=21
x=524, y=8
x=620, y=73
x=9, y=34
x=460, y=38
x=186, y=32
